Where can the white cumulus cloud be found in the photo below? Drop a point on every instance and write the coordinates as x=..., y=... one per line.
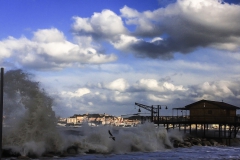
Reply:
x=78, y=93
x=154, y=85
x=118, y=85
x=49, y=49
x=106, y=24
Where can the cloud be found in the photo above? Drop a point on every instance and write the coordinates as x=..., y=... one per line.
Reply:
x=216, y=90
x=154, y=85
x=118, y=85
x=180, y=27
x=49, y=49
x=78, y=93
x=104, y=25
x=118, y=96
x=48, y=36
x=159, y=98
x=184, y=26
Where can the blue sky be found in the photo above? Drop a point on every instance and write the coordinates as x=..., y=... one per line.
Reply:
x=96, y=56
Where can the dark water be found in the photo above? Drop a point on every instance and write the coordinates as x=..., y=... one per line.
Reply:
x=178, y=153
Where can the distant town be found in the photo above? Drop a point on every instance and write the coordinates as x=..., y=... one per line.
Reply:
x=99, y=119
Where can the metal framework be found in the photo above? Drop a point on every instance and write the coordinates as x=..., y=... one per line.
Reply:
x=226, y=129
x=152, y=109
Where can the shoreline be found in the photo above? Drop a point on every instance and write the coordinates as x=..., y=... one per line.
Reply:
x=191, y=140
x=73, y=151
x=186, y=141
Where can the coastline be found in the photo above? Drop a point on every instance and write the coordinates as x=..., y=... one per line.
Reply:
x=191, y=140
x=177, y=139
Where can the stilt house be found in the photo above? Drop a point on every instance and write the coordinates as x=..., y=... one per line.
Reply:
x=212, y=111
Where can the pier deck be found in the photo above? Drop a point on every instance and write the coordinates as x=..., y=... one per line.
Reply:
x=224, y=128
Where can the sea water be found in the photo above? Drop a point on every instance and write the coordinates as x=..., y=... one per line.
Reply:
x=195, y=152
x=149, y=143
x=142, y=142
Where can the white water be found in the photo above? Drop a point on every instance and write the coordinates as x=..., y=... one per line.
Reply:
x=143, y=142
x=31, y=136
x=33, y=132
x=145, y=138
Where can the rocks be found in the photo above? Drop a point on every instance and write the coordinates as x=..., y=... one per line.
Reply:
x=188, y=144
x=70, y=151
x=206, y=143
x=194, y=141
x=7, y=152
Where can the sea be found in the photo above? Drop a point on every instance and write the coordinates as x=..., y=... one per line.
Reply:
x=145, y=142
x=192, y=153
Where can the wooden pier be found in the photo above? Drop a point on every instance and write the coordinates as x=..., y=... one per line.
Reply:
x=206, y=119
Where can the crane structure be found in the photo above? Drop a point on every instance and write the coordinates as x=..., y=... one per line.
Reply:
x=152, y=109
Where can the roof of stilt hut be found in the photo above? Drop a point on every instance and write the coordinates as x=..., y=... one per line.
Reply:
x=221, y=105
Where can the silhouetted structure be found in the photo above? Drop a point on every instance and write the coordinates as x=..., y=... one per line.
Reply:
x=211, y=111
x=210, y=119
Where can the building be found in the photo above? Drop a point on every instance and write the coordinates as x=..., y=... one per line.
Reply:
x=72, y=120
x=211, y=111
x=205, y=114
x=99, y=119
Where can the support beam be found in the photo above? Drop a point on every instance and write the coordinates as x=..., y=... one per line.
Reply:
x=204, y=130
x=235, y=130
x=185, y=128
x=225, y=130
x=158, y=116
x=190, y=128
x=152, y=114
x=196, y=128
x=219, y=130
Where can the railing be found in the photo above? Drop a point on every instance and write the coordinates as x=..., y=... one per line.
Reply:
x=171, y=119
x=207, y=119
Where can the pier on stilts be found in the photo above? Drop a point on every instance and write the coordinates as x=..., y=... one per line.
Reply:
x=204, y=118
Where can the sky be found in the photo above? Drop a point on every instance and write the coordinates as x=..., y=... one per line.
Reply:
x=95, y=56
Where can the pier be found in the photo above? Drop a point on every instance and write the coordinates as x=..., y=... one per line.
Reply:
x=206, y=119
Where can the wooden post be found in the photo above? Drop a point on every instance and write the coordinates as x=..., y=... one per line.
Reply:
x=224, y=130
x=204, y=129
x=196, y=128
x=185, y=128
x=235, y=130
x=152, y=114
x=158, y=116
x=1, y=111
x=190, y=128
x=219, y=134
